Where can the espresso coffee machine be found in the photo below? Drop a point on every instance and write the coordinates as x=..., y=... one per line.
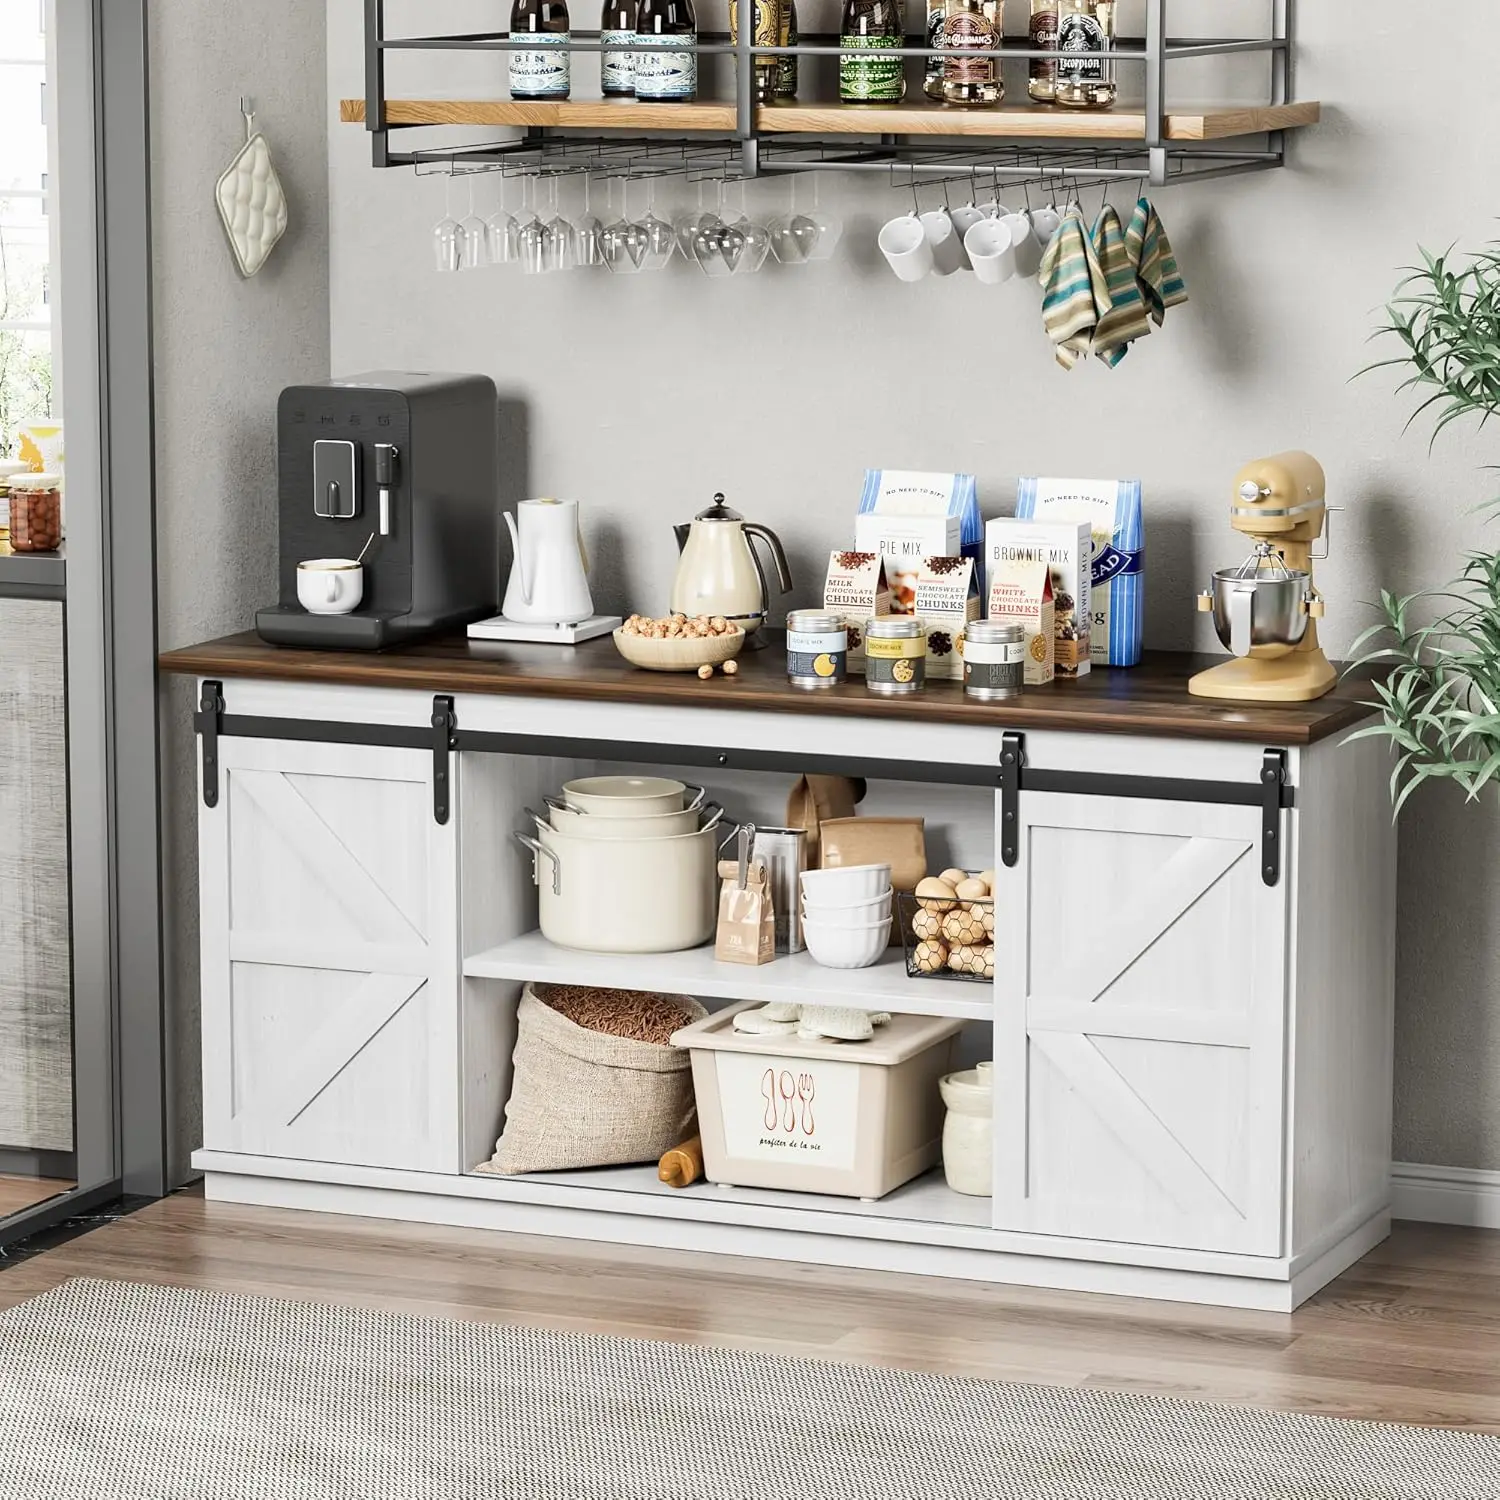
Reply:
x=406, y=463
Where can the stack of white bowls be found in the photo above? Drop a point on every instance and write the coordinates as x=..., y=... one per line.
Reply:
x=846, y=915
x=626, y=864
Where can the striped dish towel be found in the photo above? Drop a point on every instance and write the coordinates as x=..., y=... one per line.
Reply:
x=1156, y=271
x=1075, y=294
x=1126, y=319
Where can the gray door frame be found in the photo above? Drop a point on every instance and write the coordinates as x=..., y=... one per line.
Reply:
x=104, y=278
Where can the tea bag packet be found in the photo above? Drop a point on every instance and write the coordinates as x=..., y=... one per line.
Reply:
x=747, y=916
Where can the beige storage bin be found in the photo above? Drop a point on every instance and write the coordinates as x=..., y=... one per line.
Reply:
x=855, y=1119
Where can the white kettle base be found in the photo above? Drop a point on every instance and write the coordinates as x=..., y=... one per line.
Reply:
x=498, y=628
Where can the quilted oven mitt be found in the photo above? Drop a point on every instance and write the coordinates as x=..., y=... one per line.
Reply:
x=251, y=203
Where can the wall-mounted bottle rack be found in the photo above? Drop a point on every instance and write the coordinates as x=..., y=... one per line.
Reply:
x=1013, y=143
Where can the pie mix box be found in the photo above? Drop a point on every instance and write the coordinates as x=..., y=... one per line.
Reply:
x=856, y=590
x=906, y=515
x=1112, y=507
x=947, y=598
x=1021, y=594
x=1067, y=548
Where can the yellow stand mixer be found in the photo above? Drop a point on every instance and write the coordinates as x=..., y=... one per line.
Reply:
x=1266, y=610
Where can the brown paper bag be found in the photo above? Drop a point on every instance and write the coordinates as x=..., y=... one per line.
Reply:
x=747, y=918
x=814, y=799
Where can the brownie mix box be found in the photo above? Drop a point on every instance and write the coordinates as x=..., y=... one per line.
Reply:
x=1067, y=549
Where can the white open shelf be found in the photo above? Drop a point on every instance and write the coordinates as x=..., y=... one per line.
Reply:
x=925, y=1200
x=794, y=978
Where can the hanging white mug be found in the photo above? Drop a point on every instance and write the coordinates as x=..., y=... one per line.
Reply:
x=1024, y=241
x=991, y=252
x=965, y=218
x=1046, y=222
x=903, y=242
x=943, y=240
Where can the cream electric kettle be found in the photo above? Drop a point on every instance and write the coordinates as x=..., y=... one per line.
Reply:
x=549, y=573
x=719, y=572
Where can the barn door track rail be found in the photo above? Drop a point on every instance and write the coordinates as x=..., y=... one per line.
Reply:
x=443, y=736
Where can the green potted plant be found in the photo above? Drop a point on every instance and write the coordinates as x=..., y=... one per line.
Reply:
x=1439, y=695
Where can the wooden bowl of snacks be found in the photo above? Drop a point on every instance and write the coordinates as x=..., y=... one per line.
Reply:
x=678, y=643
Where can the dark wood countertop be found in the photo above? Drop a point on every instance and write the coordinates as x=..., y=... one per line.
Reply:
x=1149, y=699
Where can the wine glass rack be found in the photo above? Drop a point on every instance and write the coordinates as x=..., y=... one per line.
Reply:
x=736, y=137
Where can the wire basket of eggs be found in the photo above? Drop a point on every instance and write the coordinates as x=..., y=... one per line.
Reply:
x=948, y=926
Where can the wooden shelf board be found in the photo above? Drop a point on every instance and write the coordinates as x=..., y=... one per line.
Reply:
x=924, y=1200
x=1188, y=123
x=792, y=977
x=575, y=114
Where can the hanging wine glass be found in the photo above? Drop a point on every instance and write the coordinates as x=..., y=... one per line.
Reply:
x=559, y=251
x=754, y=242
x=588, y=231
x=625, y=248
x=709, y=239
x=661, y=238
x=473, y=245
x=830, y=228
x=500, y=232
x=531, y=234
x=686, y=225
x=445, y=244
x=788, y=249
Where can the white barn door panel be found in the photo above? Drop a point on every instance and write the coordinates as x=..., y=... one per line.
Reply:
x=1140, y=1026
x=330, y=943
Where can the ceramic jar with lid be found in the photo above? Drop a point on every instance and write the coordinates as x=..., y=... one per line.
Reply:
x=35, y=513
x=895, y=654
x=969, y=1130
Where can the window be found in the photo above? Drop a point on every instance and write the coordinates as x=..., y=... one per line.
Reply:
x=26, y=354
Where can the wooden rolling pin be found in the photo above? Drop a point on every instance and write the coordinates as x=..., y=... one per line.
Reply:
x=682, y=1164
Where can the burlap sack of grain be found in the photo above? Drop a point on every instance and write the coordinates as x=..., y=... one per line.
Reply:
x=579, y=1098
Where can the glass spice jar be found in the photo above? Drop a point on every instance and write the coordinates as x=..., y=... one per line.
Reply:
x=895, y=654
x=35, y=513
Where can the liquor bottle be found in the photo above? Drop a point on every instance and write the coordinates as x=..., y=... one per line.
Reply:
x=1042, y=84
x=767, y=33
x=977, y=25
x=865, y=77
x=786, y=67
x=664, y=75
x=1085, y=26
x=932, y=76
x=617, y=69
x=544, y=73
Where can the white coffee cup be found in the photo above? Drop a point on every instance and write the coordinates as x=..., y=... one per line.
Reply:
x=903, y=242
x=942, y=238
x=965, y=218
x=990, y=251
x=1024, y=242
x=330, y=585
x=1046, y=222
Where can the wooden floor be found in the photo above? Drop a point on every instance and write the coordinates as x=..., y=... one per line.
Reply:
x=17, y=1193
x=1411, y=1334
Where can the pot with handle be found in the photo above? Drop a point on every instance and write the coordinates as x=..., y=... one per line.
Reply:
x=630, y=796
x=625, y=895
x=584, y=825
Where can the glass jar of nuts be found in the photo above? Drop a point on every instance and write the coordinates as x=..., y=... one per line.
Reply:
x=35, y=513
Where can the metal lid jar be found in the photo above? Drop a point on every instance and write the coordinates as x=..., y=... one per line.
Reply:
x=895, y=654
x=35, y=512
x=817, y=648
x=994, y=659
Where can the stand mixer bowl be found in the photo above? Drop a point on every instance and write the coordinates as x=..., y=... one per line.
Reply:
x=1262, y=615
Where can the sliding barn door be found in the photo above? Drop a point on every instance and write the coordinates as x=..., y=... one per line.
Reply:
x=1141, y=1001
x=330, y=985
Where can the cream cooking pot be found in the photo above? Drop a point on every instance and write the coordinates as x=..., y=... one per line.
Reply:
x=640, y=895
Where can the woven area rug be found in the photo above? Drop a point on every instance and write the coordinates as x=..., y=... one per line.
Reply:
x=110, y=1391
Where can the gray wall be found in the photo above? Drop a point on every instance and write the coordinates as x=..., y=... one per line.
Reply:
x=224, y=349
x=639, y=389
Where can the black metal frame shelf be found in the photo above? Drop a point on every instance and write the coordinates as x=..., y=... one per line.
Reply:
x=749, y=148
